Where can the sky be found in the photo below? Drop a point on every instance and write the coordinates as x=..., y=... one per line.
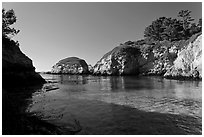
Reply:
x=50, y=32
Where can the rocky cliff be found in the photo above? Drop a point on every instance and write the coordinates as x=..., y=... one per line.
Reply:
x=188, y=64
x=71, y=65
x=164, y=58
x=17, y=68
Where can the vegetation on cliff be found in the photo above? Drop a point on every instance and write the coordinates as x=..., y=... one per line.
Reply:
x=171, y=29
x=169, y=38
x=8, y=19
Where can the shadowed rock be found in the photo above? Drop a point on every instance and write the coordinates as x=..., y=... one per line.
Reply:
x=17, y=68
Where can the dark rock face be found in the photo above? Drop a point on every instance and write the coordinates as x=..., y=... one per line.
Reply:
x=71, y=65
x=122, y=60
x=17, y=68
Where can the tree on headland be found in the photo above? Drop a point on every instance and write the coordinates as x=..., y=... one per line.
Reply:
x=164, y=29
x=186, y=19
x=155, y=30
x=171, y=29
x=8, y=19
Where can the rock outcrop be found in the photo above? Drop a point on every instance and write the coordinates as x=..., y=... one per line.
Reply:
x=17, y=68
x=122, y=60
x=71, y=65
x=189, y=61
x=170, y=59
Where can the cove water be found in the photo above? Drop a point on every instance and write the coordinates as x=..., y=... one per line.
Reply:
x=121, y=104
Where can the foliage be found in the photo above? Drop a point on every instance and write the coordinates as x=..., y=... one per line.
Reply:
x=171, y=29
x=200, y=22
x=194, y=29
x=185, y=18
x=144, y=41
x=8, y=19
x=154, y=31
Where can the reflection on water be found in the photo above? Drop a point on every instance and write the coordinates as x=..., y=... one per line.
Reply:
x=104, y=101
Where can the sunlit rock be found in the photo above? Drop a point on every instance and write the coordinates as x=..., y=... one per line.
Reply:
x=122, y=60
x=189, y=61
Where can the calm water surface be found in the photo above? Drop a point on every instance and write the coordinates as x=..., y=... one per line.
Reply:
x=121, y=104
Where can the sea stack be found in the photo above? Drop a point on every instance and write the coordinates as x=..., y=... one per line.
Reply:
x=70, y=65
x=122, y=60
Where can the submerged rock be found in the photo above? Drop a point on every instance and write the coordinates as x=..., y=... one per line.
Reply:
x=189, y=61
x=17, y=68
x=71, y=65
x=122, y=60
